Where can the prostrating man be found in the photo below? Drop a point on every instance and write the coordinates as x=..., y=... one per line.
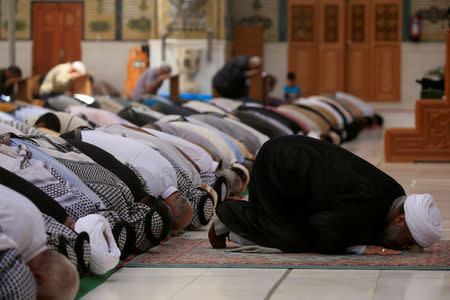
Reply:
x=55, y=277
x=232, y=80
x=8, y=78
x=58, y=79
x=157, y=172
x=150, y=82
x=306, y=195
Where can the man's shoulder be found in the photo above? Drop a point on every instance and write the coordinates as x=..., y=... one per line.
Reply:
x=59, y=68
x=150, y=72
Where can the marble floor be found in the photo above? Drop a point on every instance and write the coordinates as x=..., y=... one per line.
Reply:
x=211, y=284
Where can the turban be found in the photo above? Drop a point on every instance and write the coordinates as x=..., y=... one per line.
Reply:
x=423, y=219
x=79, y=67
x=105, y=254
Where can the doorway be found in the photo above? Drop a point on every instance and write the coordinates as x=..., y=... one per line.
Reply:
x=57, y=34
x=346, y=45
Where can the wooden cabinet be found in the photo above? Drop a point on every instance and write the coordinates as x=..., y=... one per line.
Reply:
x=352, y=45
x=57, y=34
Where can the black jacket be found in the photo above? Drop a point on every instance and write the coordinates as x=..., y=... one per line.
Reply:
x=231, y=80
x=260, y=122
x=5, y=90
x=274, y=115
x=308, y=195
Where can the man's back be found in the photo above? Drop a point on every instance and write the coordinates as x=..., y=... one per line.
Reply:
x=56, y=80
x=317, y=195
x=149, y=76
x=231, y=79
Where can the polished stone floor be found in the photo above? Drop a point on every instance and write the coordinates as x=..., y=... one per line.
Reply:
x=211, y=284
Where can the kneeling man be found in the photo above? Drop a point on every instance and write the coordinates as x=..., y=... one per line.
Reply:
x=306, y=195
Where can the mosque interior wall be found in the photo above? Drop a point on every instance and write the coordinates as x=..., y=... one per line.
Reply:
x=107, y=60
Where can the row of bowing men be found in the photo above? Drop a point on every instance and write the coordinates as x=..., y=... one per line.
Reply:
x=114, y=178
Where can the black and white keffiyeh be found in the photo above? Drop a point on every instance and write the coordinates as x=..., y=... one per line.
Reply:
x=16, y=279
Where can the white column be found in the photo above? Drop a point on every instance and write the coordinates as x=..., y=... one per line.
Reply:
x=207, y=69
x=12, y=32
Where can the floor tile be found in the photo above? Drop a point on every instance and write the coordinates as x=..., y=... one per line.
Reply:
x=328, y=284
x=412, y=285
x=139, y=283
x=231, y=284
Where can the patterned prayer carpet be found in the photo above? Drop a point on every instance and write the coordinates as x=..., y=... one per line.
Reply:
x=197, y=253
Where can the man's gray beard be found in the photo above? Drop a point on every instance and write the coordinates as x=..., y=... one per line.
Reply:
x=390, y=235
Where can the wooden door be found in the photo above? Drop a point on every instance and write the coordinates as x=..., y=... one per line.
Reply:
x=303, y=44
x=57, y=34
x=46, y=37
x=350, y=45
x=331, y=46
x=386, y=37
x=358, y=52
x=249, y=40
x=71, y=15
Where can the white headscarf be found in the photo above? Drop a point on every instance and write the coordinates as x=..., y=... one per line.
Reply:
x=423, y=219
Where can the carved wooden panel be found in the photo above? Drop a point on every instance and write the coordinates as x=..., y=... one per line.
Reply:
x=387, y=22
x=386, y=45
x=302, y=23
x=358, y=23
x=430, y=140
x=358, y=67
x=358, y=44
x=331, y=46
x=331, y=32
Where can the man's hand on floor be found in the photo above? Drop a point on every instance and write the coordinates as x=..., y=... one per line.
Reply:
x=379, y=250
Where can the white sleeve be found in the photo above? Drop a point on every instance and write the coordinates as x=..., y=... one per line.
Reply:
x=22, y=222
x=358, y=249
x=6, y=242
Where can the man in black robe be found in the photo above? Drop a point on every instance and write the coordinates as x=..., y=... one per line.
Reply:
x=306, y=195
x=8, y=78
x=232, y=80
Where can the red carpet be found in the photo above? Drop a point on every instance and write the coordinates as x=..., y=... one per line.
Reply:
x=194, y=253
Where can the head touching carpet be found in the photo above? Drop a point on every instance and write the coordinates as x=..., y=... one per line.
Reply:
x=194, y=253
